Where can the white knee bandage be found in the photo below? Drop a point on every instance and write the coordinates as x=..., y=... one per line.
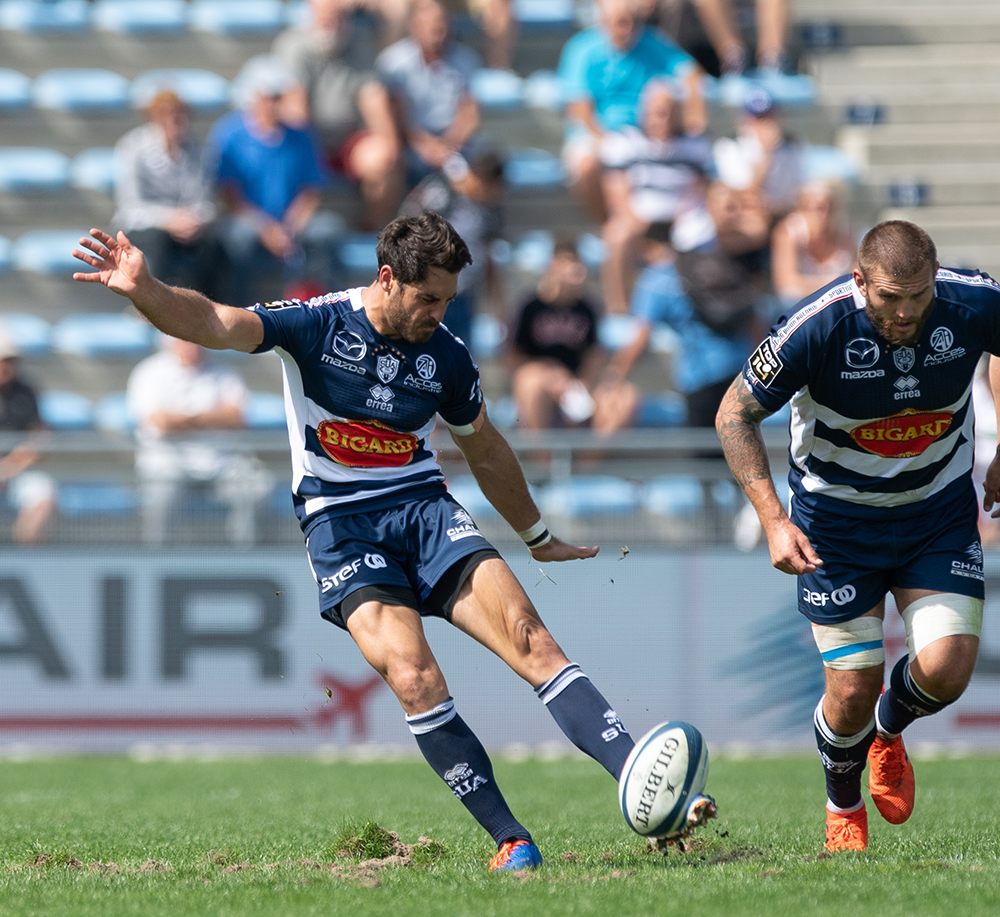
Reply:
x=943, y=615
x=855, y=644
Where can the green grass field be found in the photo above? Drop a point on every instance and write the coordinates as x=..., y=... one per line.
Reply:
x=85, y=836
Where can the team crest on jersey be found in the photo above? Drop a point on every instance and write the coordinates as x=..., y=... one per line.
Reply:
x=365, y=444
x=765, y=363
x=904, y=358
x=387, y=366
x=903, y=435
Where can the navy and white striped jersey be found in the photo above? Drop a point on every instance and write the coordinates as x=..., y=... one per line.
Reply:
x=879, y=429
x=360, y=407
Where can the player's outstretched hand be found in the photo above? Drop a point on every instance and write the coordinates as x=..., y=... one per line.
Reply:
x=559, y=550
x=790, y=550
x=991, y=488
x=121, y=266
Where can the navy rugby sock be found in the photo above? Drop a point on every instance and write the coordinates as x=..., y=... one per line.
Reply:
x=844, y=759
x=458, y=758
x=902, y=702
x=588, y=720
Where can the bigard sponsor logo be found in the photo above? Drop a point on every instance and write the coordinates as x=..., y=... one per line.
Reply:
x=902, y=435
x=365, y=444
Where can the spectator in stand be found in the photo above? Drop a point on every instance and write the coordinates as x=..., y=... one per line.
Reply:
x=810, y=247
x=31, y=493
x=270, y=180
x=164, y=199
x=495, y=18
x=468, y=195
x=556, y=358
x=428, y=79
x=341, y=96
x=651, y=175
x=705, y=356
x=762, y=158
x=180, y=403
x=603, y=70
x=710, y=31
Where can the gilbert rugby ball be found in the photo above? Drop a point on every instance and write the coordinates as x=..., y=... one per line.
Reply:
x=663, y=774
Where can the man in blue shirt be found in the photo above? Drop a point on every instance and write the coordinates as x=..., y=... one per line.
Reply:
x=603, y=70
x=270, y=179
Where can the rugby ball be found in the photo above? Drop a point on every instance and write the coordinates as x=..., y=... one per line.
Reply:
x=663, y=774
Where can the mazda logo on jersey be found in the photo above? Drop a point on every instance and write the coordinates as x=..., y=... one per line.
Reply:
x=942, y=339
x=861, y=353
x=365, y=445
x=904, y=358
x=349, y=345
x=387, y=366
x=903, y=435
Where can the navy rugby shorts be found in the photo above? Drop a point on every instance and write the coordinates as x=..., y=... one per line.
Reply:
x=864, y=558
x=408, y=548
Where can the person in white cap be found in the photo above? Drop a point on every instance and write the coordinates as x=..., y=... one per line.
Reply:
x=31, y=493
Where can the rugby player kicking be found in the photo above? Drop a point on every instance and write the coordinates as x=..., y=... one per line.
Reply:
x=365, y=372
x=878, y=367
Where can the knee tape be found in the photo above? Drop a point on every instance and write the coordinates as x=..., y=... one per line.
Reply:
x=942, y=615
x=855, y=644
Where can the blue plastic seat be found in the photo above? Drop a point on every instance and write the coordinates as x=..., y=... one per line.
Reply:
x=111, y=413
x=662, y=409
x=96, y=498
x=264, y=411
x=488, y=335
x=531, y=169
x=828, y=163
x=616, y=331
x=15, y=90
x=788, y=90
x=544, y=14
x=103, y=334
x=127, y=17
x=201, y=89
x=66, y=410
x=497, y=89
x=93, y=170
x=80, y=89
x=544, y=89
x=465, y=489
x=48, y=251
x=44, y=15
x=673, y=495
x=235, y=17
x=589, y=495
x=357, y=253
x=503, y=412
x=31, y=168
x=533, y=251
x=31, y=333
x=6, y=249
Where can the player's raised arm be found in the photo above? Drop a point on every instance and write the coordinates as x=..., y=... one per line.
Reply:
x=738, y=426
x=499, y=475
x=176, y=311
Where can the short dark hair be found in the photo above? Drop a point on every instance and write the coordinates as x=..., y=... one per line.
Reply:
x=897, y=247
x=411, y=245
x=661, y=231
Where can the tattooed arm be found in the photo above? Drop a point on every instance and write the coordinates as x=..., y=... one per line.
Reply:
x=738, y=426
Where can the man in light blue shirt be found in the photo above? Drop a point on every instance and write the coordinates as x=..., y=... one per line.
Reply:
x=603, y=71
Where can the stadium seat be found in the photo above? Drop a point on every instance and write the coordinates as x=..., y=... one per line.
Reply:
x=589, y=495
x=591, y=250
x=779, y=418
x=544, y=14
x=15, y=90
x=829, y=163
x=503, y=412
x=5, y=254
x=497, y=89
x=673, y=495
x=96, y=498
x=663, y=338
x=530, y=169
x=465, y=489
x=236, y=17
x=44, y=15
x=357, y=253
x=488, y=335
x=103, y=334
x=533, y=251
x=66, y=410
x=264, y=411
x=127, y=17
x=31, y=333
x=662, y=409
x=93, y=170
x=615, y=331
x=48, y=251
x=298, y=14
x=201, y=89
x=543, y=89
x=787, y=90
x=111, y=414
x=33, y=169
x=81, y=89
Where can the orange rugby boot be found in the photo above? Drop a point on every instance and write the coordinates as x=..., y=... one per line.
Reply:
x=890, y=779
x=847, y=830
